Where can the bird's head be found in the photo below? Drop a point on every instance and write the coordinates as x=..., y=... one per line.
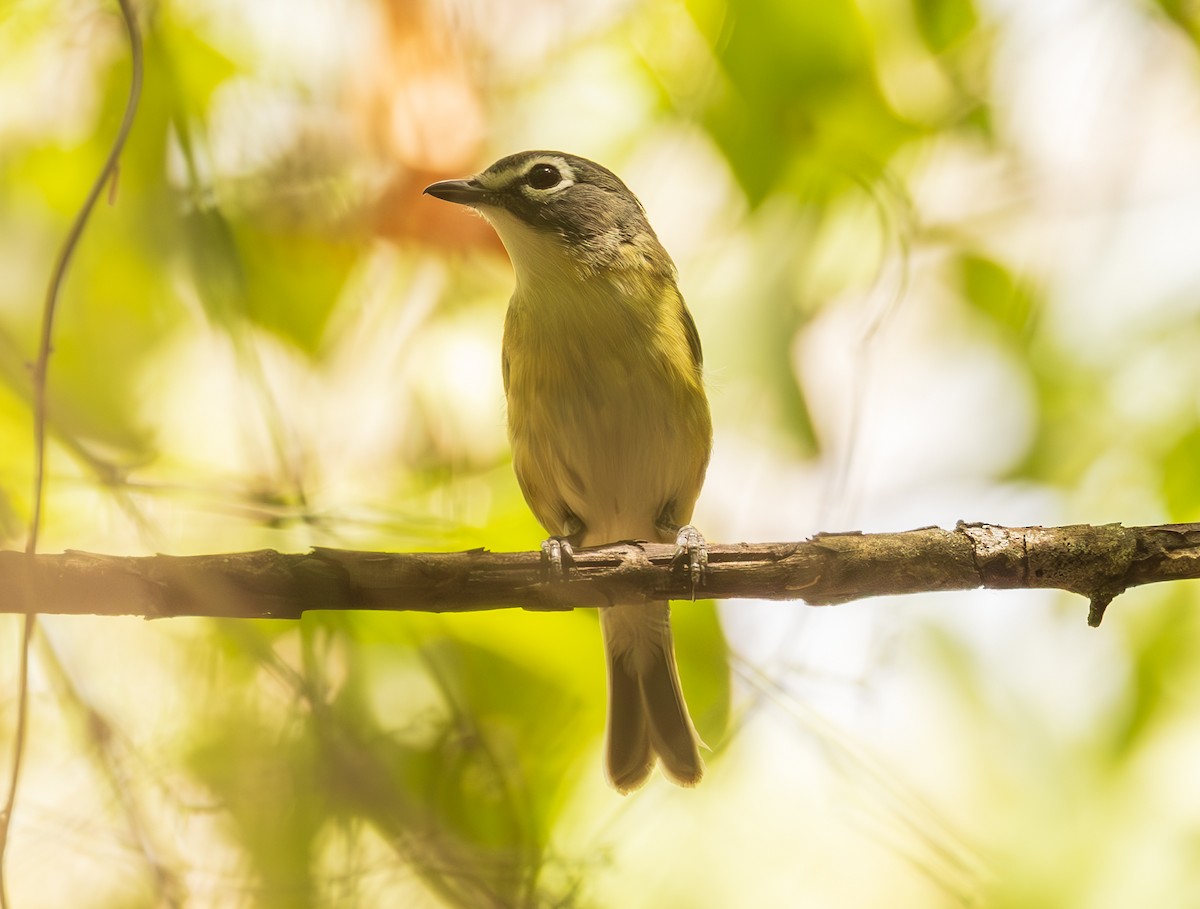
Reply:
x=555, y=209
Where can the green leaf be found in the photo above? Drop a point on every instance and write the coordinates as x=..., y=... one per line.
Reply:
x=285, y=282
x=943, y=23
x=994, y=291
x=1184, y=15
x=1181, y=477
x=703, y=657
x=800, y=108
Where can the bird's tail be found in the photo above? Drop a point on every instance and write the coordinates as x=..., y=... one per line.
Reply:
x=647, y=715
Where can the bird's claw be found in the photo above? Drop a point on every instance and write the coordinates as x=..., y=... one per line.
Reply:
x=558, y=555
x=691, y=550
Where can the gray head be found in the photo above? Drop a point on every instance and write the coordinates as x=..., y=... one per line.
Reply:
x=579, y=205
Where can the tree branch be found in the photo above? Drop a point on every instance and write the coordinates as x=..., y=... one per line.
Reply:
x=1096, y=562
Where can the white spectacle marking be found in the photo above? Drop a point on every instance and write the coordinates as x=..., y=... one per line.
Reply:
x=496, y=180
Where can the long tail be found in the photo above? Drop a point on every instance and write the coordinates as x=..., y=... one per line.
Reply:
x=647, y=715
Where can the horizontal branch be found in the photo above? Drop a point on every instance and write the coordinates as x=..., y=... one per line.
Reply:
x=1097, y=562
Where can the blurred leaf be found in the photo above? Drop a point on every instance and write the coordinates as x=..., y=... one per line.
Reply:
x=802, y=110
x=1181, y=477
x=114, y=303
x=285, y=282
x=1066, y=440
x=464, y=789
x=944, y=22
x=781, y=320
x=191, y=65
x=293, y=281
x=703, y=657
x=1185, y=15
x=469, y=794
x=217, y=266
x=951, y=31
x=994, y=291
x=1163, y=645
x=952, y=659
x=262, y=779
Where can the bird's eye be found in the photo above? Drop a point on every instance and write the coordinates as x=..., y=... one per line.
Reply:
x=543, y=176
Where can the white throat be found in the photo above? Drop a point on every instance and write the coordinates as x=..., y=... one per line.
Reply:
x=538, y=259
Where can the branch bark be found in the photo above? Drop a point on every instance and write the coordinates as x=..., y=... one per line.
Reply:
x=1098, y=562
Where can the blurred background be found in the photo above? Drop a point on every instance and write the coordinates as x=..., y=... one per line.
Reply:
x=944, y=256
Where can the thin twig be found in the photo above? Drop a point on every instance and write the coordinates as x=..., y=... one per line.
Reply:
x=40, y=369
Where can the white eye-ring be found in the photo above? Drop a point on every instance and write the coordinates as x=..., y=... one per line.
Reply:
x=544, y=177
x=534, y=179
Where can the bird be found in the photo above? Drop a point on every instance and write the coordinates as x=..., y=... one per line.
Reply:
x=608, y=419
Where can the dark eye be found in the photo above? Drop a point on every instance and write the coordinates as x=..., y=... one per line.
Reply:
x=543, y=176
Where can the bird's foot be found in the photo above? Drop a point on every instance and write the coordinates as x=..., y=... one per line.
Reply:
x=691, y=550
x=557, y=556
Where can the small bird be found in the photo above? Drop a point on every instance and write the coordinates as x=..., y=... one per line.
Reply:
x=607, y=416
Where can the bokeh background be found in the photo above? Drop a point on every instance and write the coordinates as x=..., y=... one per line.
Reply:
x=944, y=256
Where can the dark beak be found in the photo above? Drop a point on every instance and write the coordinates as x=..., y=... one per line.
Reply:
x=464, y=192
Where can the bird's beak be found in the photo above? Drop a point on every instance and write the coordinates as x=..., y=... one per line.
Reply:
x=464, y=192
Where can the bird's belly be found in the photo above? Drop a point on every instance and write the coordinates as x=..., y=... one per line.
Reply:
x=610, y=445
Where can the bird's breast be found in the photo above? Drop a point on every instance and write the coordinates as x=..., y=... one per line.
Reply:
x=606, y=413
